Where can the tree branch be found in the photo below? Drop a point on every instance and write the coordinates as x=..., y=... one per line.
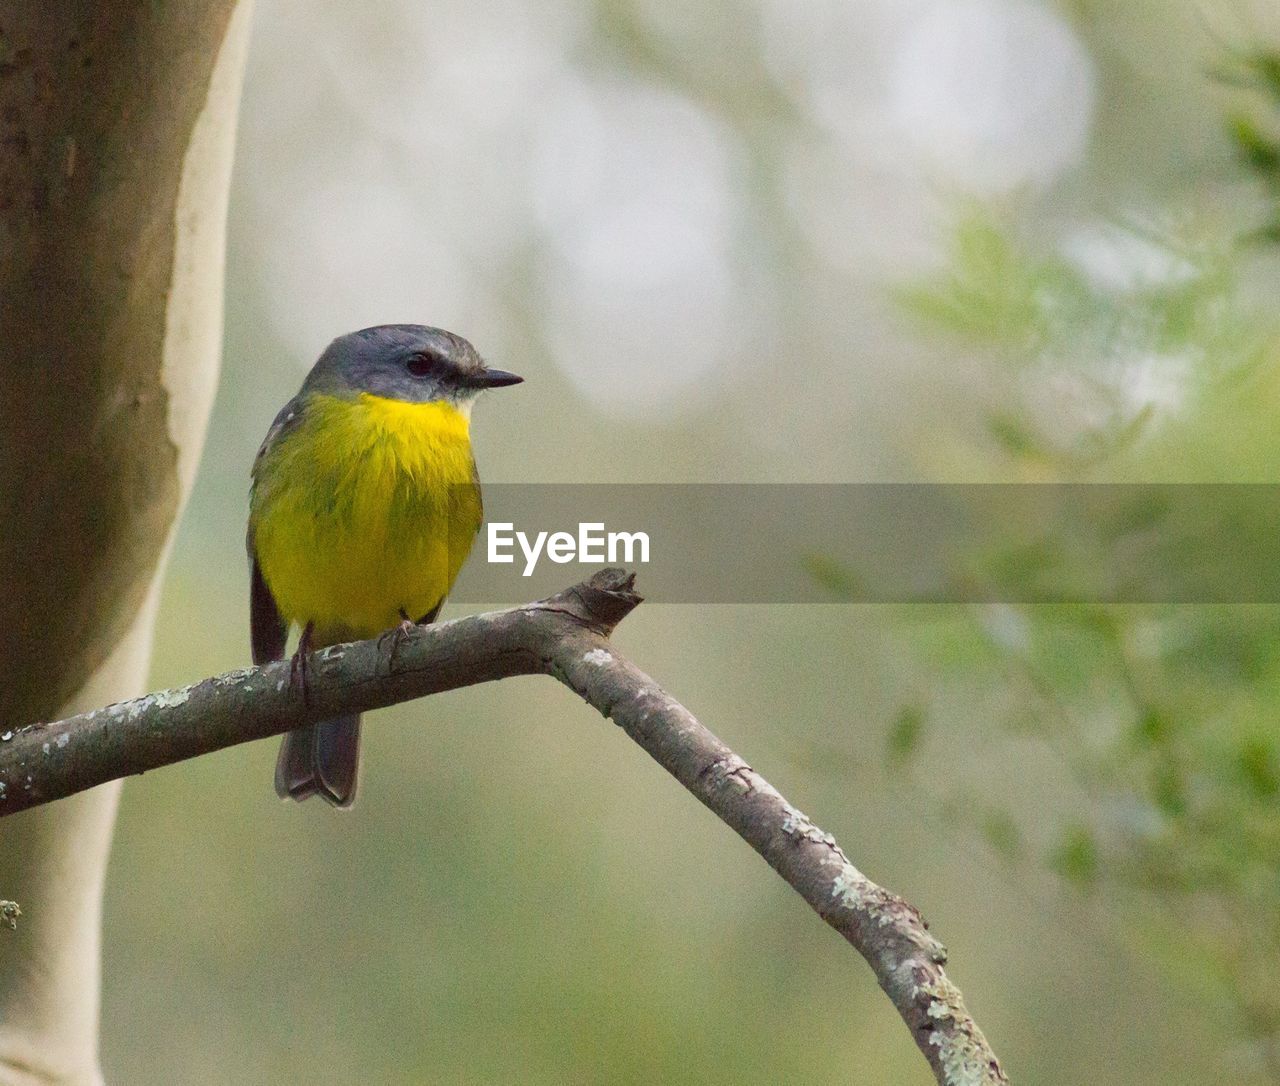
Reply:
x=565, y=636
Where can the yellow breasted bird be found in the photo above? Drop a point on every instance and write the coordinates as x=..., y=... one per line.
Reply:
x=364, y=505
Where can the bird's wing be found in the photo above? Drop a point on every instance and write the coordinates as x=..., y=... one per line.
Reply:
x=268, y=630
x=287, y=419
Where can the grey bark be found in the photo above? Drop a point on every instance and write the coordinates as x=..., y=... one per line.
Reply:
x=116, y=133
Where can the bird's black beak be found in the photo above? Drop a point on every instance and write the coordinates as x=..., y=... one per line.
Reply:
x=494, y=379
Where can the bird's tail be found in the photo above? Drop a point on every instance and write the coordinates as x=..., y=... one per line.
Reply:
x=321, y=760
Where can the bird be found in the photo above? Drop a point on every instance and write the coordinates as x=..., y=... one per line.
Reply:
x=364, y=503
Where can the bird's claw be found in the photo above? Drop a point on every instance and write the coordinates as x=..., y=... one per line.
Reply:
x=299, y=667
x=397, y=636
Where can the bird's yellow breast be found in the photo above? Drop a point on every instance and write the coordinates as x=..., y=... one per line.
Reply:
x=367, y=506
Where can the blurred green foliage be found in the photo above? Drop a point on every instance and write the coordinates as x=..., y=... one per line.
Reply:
x=1166, y=718
x=1256, y=132
x=1163, y=309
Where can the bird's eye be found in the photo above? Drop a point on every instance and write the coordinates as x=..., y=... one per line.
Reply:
x=420, y=365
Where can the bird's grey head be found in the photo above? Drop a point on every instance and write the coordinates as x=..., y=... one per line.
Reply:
x=410, y=362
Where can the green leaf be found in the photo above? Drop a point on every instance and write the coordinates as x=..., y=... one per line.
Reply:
x=1257, y=151
x=905, y=734
x=1076, y=857
x=1154, y=727
x=1002, y=835
x=1265, y=66
x=1257, y=762
x=837, y=579
x=1016, y=437
x=1169, y=789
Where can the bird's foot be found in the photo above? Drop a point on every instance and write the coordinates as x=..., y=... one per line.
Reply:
x=299, y=667
x=397, y=636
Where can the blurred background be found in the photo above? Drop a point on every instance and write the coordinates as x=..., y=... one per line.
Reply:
x=763, y=241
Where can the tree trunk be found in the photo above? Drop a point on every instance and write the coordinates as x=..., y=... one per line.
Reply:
x=117, y=123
